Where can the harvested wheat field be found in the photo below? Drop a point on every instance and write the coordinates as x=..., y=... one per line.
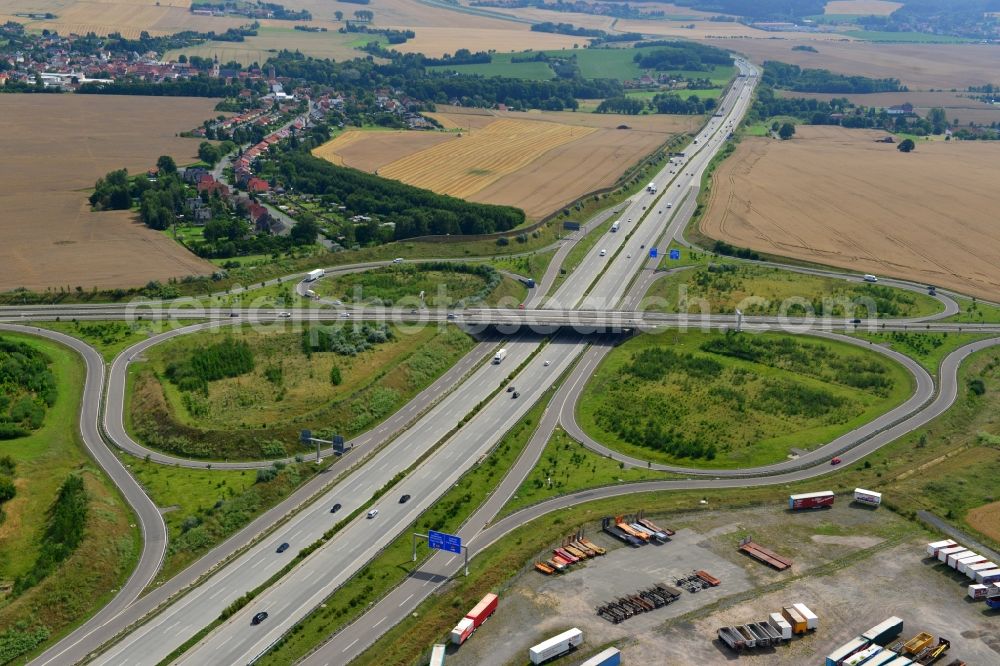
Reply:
x=986, y=520
x=956, y=105
x=55, y=147
x=835, y=196
x=129, y=17
x=369, y=151
x=869, y=7
x=538, y=161
x=468, y=164
x=918, y=66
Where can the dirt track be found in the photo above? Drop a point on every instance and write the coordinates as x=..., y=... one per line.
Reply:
x=55, y=148
x=836, y=197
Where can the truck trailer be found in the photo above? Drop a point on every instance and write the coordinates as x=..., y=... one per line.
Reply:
x=610, y=657
x=462, y=631
x=780, y=625
x=437, y=656
x=942, y=555
x=555, y=646
x=651, y=188
x=934, y=547
x=972, y=569
x=967, y=560
x=884, y=632
x=868, y=497
x=955, y=557
x=815, y=500
x=615, y=226
x=483, y=610
x=844, y=652
x=314, y=275
x=812, y=621
x=795, y=619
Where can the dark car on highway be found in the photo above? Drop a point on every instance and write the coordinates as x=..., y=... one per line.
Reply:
x=258, y=618
x=283, y=547
x=404, y=499
x=335, y=508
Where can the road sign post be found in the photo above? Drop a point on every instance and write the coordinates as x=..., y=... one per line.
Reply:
x=675, y=255
x=652, y=253
x=451, y=543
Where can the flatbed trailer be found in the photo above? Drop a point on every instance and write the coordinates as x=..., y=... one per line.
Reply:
x=651, y=525
x=708, y=578
x=591, y=545
x=765, y=555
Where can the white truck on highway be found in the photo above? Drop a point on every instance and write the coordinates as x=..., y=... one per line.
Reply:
x=614, y=227
x=870, y=278
x=651, y=188
x=314, y=275
x=499, y=356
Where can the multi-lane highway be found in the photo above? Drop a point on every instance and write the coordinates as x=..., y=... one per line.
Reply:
x=422, y=440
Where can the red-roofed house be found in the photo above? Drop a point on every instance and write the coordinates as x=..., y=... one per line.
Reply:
x=257, y=185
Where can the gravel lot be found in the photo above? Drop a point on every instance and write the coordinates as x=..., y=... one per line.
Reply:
x=853, y=567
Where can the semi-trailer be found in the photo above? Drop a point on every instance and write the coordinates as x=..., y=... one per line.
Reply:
x=934, y=547
x=556, y=646
x=795, y=619
x=812, y=621
x=732, y=637
x=815, y=500
x=942, y=555
x=653, y=526
x=900, y=661
x=869, y=497
x=708, y=578
x=314, y=275
x=615, y=225
x=462, y=631
x=953, y=559
x=972, y=569
x=749, y=640
x=967, y=560
x=483, y=610
x=610, y=657
x=775, y=635
x=988, y=576
x=882, y=658
x=499, y=356
x=978, y=591
x=853, y=646
x=862, y=656
x=780, y=625
x=885, y=631
x=437, y=655
x=761, y=639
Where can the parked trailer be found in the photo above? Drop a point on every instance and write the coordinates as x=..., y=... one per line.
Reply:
x=771, y=632
x=762, y=639
x=899, y=661
x=764, y=555
x=651, y=525
x=437, y=656
x=862, y=656
x=610, y=528
x=610, y=657
x=882, y=658
x=795, y=619
x=591, y=545
x=978, y=591
x=816, y=500
x=837, y=657
x=884, y=631
x=953, y=559
x=544, y=568
x=708, y=578
x=812, y=621
x=780, y=625
x=314, y=275
x=942, y=555
x=989, y=576
x=483, y=610
x=917, y=644
x=869, y=497
x=732, y=637
x=967, y=560
x=748, y=638
x=555, y=646
x=934, y=547
x=972, y=569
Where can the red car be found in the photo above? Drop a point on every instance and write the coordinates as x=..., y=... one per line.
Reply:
x=835, y=461
x=521, y=306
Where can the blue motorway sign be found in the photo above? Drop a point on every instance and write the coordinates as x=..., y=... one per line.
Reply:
x=652, y=253
x=675, y=254
x=450, y=542
x=306, y=437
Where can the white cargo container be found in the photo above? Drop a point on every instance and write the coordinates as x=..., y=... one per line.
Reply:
x=312, y=276
x=977, y=591
x=988, y=576
x=966, y=562
x=934, y=547
x=863, y=656
x=957, y=555
x=555, y=646
x=499, y=356
x=972, y=569
x=812, y=622
x=837, y=657
x=437, y=655
x=943, y=554
x=780, y=625
x=869, y=497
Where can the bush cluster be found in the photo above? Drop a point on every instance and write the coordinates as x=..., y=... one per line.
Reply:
x=345, y=341
x=27, y=389
x=229, y=358
x=64, y=531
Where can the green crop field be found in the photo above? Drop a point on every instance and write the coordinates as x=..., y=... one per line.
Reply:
x=443, y=285
x=503, y=66
x=88, y=574
x=758, y=290
x=340, y=379
x=719, y=400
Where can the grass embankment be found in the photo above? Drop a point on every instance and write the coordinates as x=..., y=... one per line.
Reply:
x=926, y=469
x=203, y=507
x=110, y=337
x=567, y=466
x=395, y=563
x=718, y=400
x=533, y=265
x=279, y=381
x=97, y=563
x=972, y=311
x=726, y=286
x=927, y=349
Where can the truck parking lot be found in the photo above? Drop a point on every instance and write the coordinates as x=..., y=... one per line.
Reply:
x=853, y=566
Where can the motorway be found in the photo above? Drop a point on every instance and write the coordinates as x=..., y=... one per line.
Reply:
x=419, y=441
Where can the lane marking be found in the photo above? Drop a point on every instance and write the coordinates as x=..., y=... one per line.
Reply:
x=406, y=599
x=351, y=645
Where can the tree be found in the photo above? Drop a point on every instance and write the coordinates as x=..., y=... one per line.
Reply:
x=938, y=120
x=906, y=145
x=208, y=153
x=166, y=165
x=304, y=232
x=335, y=377
x=182, y=59
x=775, y=126
x=339, y=15
x=787, y=131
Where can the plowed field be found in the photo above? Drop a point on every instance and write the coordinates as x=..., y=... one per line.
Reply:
x=834, y=196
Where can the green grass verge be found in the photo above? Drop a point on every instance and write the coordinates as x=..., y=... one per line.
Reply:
x=905, y=37
x=533, y=265
x=502, y=66
x=89, y=577
x=110, y=338
x=972, y=311
x=391, y=566
x=716, y=411
x=727, y=285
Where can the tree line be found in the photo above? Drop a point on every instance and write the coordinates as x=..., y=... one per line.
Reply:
x=663, y=55
x=64, y=530
x=27, y=389
x=792, y=77
x=229, y=358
